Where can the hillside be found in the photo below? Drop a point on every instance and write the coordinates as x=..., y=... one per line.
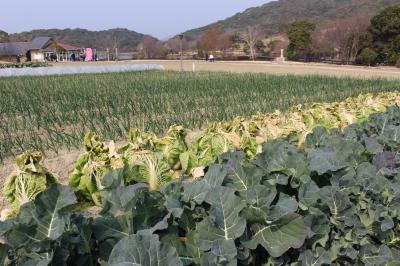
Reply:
x=124, y=39
x=274, y=16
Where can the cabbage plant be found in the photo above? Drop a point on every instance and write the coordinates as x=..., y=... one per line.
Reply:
x=28, y=180
x=92, y=166
x=335, y=201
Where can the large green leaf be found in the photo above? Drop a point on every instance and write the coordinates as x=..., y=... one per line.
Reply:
x=318, y=258
x=338, y=202
x=186, y=247
x=373, y=255
x=259, y=199
x=197, y=191
x=279, y=236
x=309, y=194
x=46, y=217
x=127, y=210
x=224, y=222
x=335, y=153
x=122, y=199
x=282, y=157
x=143, y=250
x=319, y=227
x=240, y=177
x=4, y=254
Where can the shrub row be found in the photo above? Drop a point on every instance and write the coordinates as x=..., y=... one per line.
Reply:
x=23, y=65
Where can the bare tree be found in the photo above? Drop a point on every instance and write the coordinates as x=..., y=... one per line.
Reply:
x=224, y=42
x=209, y=40
x=250, y=38
x=173, y=45
x=111, y=42
x=341, y=39
x=151, y=48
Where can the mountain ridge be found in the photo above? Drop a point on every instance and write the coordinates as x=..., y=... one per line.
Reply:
x=273, y=17
x=122, y=38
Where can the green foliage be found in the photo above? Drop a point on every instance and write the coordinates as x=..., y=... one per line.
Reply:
x=27, y=181
x=123, y=39
x=173, y=145
x=334, y=202
x=153, y=170
x=145, y=159
x=89, y=176
x=300, y=39
x=4, y=37
x=385, y=34
x=367, y=57
x=155, y=161
x=261, y=48
x=143, y=250
x=26, y=64
x=273, y=16
x=54, y=112
x=398, y=63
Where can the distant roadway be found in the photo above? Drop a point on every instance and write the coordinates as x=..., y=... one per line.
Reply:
x=286, y=68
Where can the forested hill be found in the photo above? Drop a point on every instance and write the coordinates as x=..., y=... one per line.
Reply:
x=274, y=16
x=124, y=39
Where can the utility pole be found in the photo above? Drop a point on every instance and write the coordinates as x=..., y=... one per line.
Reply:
x=181, y=37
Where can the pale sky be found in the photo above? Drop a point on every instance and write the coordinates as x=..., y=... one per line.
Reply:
x=160, y=18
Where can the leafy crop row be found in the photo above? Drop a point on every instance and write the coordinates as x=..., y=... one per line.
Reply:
x=23, y=65
x=54, y=112
x=156, y=161
x=149, y=159
x=336, y=200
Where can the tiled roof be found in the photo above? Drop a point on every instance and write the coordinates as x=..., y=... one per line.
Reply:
x=68, y=47
x=21, y=48
x=14, y=48
x=39, y=42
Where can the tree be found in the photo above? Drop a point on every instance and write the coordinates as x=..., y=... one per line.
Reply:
x=208, y=41
x=151, y=48
x=367, y=57
x=342, y=39
x=300, y=39
x=4, y=36
x=385, y=35
x=224, y=42
x=173, y=45
x=250, y=38
x=213, y=40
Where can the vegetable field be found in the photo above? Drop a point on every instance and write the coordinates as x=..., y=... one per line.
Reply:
x=49, y=113
x=316, y=182
x=335, y=200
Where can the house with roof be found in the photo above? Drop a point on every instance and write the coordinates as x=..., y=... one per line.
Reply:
x=38, y=50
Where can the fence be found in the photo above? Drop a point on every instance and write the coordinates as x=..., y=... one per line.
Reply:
x=327, y=61
x=115, y=55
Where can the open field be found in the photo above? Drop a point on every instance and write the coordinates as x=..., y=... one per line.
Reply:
x=49, y=113
x=287, y=68
x=297, y=183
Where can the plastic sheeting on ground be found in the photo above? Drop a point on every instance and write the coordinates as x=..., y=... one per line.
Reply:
x=79, y=69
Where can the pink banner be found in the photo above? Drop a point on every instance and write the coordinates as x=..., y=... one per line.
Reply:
x=89, y=54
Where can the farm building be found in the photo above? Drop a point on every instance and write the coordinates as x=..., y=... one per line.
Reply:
x=39, y=49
